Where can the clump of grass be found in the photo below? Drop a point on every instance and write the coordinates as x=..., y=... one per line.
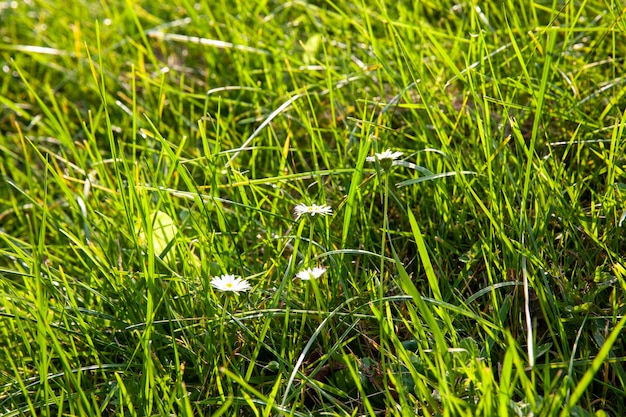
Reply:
x=456, y=177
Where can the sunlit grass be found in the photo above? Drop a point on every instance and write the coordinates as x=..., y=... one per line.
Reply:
x=339, y=208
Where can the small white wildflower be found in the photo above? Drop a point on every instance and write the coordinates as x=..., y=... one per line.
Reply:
x=230, y=283
x=322, y=210
x=311, y=273
x=385, y=155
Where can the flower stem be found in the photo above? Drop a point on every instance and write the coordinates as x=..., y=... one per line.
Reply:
x=385, y=231
x=382, y=281
x=307, y=258
x=221, y=336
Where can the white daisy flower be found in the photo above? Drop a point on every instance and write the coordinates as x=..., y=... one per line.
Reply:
x=311, y=273
x=230, y=283
x=385, y=155
x=322, y=210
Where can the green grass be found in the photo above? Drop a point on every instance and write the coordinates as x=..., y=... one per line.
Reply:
x=146, y=148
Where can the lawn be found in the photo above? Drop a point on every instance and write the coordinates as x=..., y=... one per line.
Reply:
x=312, y=208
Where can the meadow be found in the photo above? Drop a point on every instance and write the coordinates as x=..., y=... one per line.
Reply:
x=312, y=208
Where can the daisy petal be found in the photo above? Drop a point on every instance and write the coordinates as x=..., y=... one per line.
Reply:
x=312, y=210
x=311, y=273
x=384, y=155
x=230, y=283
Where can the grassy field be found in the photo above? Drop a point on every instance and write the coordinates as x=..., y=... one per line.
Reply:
x=152, y=151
